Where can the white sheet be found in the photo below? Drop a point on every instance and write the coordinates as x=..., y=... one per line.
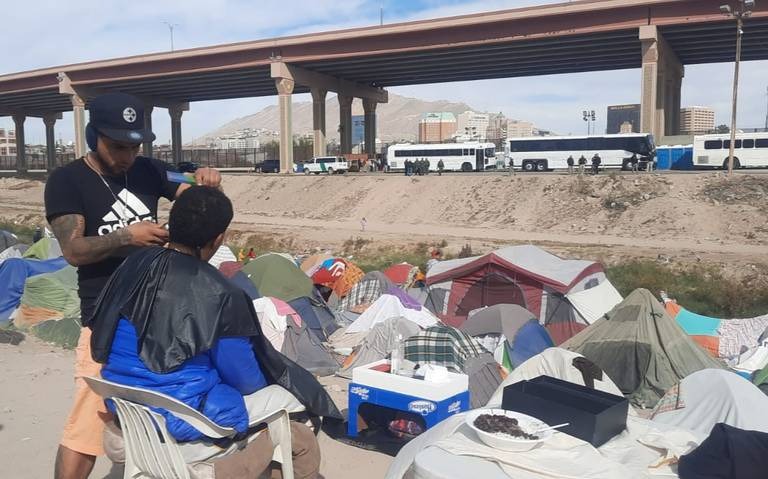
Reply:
x=221, y=255
x=386, y=307
x=593, y=303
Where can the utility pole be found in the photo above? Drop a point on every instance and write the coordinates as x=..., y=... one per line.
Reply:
x=742, y=10
x=381, y=14
x=170, y=30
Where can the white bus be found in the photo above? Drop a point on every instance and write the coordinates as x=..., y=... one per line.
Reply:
x=543, y=153
x=749, y=150
x=455, y=156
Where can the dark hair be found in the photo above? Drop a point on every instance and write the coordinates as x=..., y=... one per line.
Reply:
x=199, y=215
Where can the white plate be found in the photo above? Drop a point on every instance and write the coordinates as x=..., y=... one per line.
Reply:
x=503, y=441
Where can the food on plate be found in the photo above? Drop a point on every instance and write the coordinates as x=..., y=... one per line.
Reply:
x=499, y=424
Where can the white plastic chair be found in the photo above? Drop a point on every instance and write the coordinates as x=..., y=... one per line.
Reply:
x=151, y=452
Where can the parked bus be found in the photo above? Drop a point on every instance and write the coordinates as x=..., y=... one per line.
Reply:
x=543, y=153
x=750, y=150
x=455, y=156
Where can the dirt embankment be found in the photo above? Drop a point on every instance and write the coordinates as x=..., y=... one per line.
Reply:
x=691, y=217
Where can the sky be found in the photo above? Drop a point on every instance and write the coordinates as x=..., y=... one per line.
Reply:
x=45, y=33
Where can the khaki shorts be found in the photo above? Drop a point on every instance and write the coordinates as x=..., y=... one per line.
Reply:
x=84, y=429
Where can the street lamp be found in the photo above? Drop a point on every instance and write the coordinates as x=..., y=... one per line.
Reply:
x=589, y=116
x=170, y=29
x=741, y=10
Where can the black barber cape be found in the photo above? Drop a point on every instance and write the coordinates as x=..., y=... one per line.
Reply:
x=180, y=307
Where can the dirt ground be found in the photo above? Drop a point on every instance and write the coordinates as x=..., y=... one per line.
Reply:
x=696, y=218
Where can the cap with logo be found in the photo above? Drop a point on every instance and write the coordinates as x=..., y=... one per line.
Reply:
x=119, y=116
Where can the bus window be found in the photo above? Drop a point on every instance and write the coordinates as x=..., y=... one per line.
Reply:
x=713, y=144
x=727, y=144
x=761, y=143
x=466, y=152
x=748, y=144
x=489, y=153
x=472, y=151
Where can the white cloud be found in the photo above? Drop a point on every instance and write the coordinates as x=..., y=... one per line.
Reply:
x=42, y=33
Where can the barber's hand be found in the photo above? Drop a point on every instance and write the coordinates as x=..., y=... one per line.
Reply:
x=145, y=233
x=208, y=177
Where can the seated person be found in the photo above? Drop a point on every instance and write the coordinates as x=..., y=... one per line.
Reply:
x=170, y=322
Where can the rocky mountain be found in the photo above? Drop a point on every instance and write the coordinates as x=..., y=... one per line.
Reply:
x=396, y=120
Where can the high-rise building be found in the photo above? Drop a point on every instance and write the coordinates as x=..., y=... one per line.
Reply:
x=696, y=119
x=7, y=142
x=471, y=125
x=358, y=129
x=497, y=128
x=619, y=114
x=436, y=127
x=519, y=129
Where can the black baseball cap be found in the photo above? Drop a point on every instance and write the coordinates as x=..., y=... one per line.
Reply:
x=119, y=116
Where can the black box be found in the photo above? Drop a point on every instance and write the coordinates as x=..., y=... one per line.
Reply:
x=594, y=416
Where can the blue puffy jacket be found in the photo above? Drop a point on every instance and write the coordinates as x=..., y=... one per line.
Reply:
x=213, y=382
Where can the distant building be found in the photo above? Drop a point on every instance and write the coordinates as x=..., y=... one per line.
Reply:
x=696, y=119
x=436, y=127
x=519, y=129
x=236, y=141
x=620, y=114
x=471, y=126
x=497, y=128
x=358, y=129
x=7, y=142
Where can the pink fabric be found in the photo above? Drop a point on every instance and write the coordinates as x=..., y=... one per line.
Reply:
x=285, y=309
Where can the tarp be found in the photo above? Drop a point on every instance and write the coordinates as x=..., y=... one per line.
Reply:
x=593, y=303
x=14, y=273
x=641, y=348
x=379, y=342
x=311, y=263
x=318, y=318
x=46, y=248
x=443, y=346
x=712, y=396
x=402, y=274
x=15, y=251
x=386, y=307
x=753, y=360
x=728, y=453
x=275, y=275
x=697, y=324
x=365, y=292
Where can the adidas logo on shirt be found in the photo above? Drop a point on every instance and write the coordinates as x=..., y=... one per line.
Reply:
x=128, y=209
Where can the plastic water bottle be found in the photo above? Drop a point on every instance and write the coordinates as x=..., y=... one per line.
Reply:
x=397, y=355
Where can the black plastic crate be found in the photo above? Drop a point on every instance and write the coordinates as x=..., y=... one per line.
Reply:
x=594, y=416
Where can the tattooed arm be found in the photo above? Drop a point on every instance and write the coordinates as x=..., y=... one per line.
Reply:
x=79, y=249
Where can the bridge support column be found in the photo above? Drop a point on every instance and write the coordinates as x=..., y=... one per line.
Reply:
x=50, y=139
x=21, y=153
x=147, y=146
x=78, y=110
x=345, y=123
x=662, y=76
x=319, y=147
x=369, y=109
x=175, y=111
x=284, y=91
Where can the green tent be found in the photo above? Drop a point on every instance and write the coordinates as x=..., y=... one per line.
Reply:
x=46, y=248
x=276, y=276
x=50, y=307
x=641, y=348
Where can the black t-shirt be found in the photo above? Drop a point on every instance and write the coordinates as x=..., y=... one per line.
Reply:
x=77, y=189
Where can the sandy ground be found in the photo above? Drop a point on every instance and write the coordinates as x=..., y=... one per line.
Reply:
x=36, y=394
x=691, y=217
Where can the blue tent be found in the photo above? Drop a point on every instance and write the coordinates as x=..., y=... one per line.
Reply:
x=14, y=273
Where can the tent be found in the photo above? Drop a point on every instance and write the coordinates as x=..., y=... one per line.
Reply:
x=303, y=347
x=338, y=274
x=7, y=239
x=443, y=346
x=48, y=296
x=524, y=275
x=711, y=396
x=315, y=313
x=14, y=273
x=386, y=307
x=593, y=303
x=402, y=274
x=365, y=292
x=723, y=338
x=513, y=328
x=46, y=248
x=641, y=348
x=276, y=276
x=379, y=342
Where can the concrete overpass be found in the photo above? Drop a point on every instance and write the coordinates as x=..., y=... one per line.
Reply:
x=657, y=36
